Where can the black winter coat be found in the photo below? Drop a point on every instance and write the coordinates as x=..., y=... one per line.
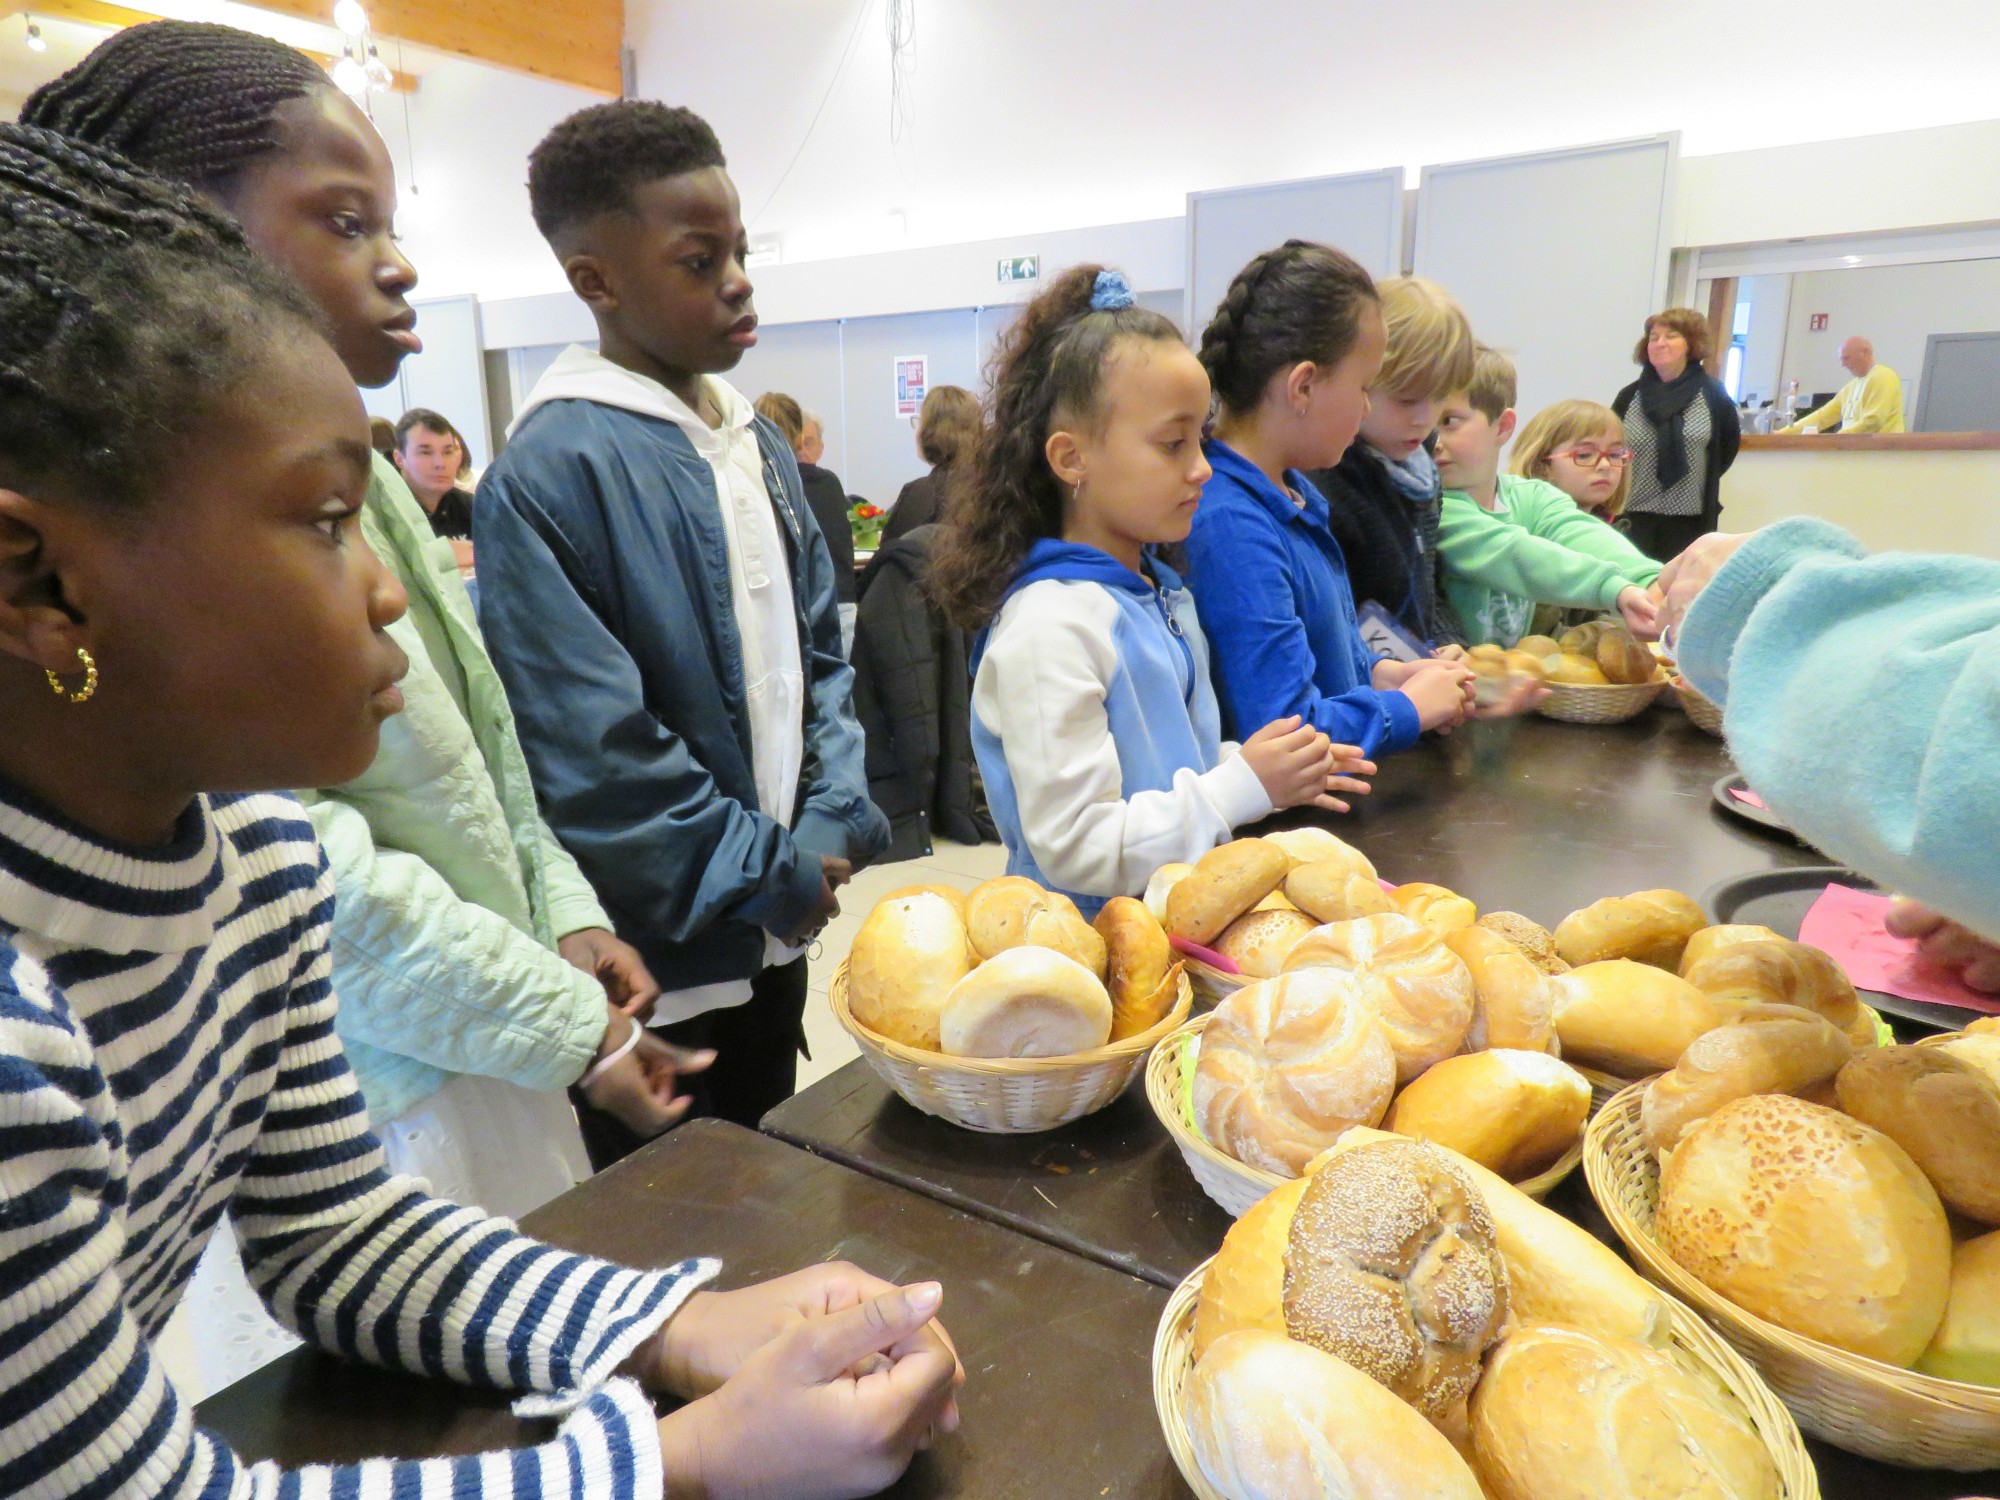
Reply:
x=828, y=498
x=1390, y=544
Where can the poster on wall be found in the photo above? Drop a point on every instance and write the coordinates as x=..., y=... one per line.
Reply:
x=912, y=380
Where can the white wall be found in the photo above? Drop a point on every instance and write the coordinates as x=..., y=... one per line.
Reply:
x=1764, y=348
x=1896, y=308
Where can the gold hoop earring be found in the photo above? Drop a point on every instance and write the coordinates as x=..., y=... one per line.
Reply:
x=82, y=694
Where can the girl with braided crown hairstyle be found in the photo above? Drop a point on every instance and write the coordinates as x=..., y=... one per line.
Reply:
x=190, y=621
x=1093, y=719
x=1292, y=350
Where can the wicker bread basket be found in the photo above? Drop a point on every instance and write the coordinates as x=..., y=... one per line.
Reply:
x=1867, y=1407
x=1604, y=1087
x=1691, y=1342
x=1006, y=1095
x=1225, y=1179
x=1212, y=986
x=1703, y=712
x=1599, y=703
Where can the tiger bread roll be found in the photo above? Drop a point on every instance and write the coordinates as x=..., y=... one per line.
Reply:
x=1140, y=973
x=1649, y=927
x=910, y=951
x=1259, y=941
x=1967, y=1343
x=1286, y=1064
x=1630, y=1019
x=1439, y=909
x=1714, y=939
x=1778, y=971
x=1272, y=1419
x=1391, y=1265
x=1315, y=846
x=1939, y=1107
x=1332, y=891
x=1014, y=912
x=1419, y=990
x=1564, y=1415
x=1513, y=1002
x=1532, y=938
x=1557, y=1271
x=1164, y=880
x=1225, y=883
x=1244, y=1286
x=1515, y=1113
x=1026, y=1002
x=1623, y=658
x=1761, y=1049
x=1812, y=1221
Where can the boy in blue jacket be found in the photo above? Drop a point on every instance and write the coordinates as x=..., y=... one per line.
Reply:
x=661, y=605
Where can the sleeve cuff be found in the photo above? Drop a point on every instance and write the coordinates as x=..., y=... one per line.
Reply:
x=1400, y=714
x=1707, y=638
x=578, y=912
x=636, y=1305
x=1234, y=790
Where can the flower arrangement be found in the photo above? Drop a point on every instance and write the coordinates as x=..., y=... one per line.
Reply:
x=866, y=522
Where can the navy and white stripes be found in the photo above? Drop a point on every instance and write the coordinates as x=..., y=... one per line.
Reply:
x=167, y=1051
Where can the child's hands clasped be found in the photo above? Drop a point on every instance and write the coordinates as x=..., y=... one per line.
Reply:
x=1441, y=691
x=1292, y=759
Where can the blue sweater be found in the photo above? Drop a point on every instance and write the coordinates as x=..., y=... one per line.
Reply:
x=1280, y=614
x=1863, y=702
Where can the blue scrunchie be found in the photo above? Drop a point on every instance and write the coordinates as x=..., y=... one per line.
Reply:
x=1111, y=292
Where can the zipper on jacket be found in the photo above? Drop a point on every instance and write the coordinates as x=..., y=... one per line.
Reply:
x=1180, y=638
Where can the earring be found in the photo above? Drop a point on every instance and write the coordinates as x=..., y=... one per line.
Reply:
x=82, y=694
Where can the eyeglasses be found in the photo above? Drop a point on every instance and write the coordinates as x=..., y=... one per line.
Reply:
x=1590, y=458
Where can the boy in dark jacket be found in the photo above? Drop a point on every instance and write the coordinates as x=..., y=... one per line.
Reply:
x=661, y=605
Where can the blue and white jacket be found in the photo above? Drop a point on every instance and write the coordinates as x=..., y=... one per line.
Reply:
x=1096, y=727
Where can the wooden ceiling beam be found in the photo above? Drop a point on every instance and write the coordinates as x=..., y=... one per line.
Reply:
x=578, y=42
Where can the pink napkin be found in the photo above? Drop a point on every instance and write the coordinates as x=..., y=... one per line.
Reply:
x=1204, y=955
x=1848, y=924
x=1750, y=799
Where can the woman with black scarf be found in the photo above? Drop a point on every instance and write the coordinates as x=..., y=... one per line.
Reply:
x=1683, y=433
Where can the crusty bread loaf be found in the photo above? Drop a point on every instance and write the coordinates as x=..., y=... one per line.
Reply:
x=1630, y=1019
x=1332, y=891
x=1762, y=1049
x=1418, y=988
x=1138, y=960
x=1513, y=1001
x=1563, y=1415
x=910, y=951
x=1026, y=1002
x=1621, y=658
x=1286, y=1064
x=1164, y=880
x=1941, y=1109
x=1014, y=912
x=1511, y=1111
x=1315, y=846
x=1778, y=971
x=1532, y=938
x=1226, y=882
x=1649, y=927
x=1245, y=1283
x=1812, y=1221
x=1967, y=1343
x=1259, y=941
x=1272, y=1419
x=1391, y=1265
x=1714, y=939
x=1439, y=909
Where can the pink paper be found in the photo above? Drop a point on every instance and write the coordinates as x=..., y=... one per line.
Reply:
x=1749, y=798
x=1204, y=955
x=1848, y=924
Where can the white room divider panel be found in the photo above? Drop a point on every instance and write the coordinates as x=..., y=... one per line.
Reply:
x=449, y=377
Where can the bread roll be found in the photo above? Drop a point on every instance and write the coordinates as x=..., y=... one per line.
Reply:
x=1561, y=1415
x=1332, y=892
x=1315, y=846
x=1812, y=1221
x=1164, y=880
x=1649, y=927
x=1980, y=1048
x=1245, y=1283
x=909, y=953
x=1271, y=1419
x=1582, y=638
x=1391, y=1265
x=1285, y=1065
x=1967, y=1344
x=1630, y=1019
x=1941, y=1109
x=1763, y=1049
x=1014, y=912
x=1276, y=901
x=1572, y=669
x=1714, y=939
x=1513, y=1002
x=1532, y=938
x=1258, y=941
x=1417, y=987
x=1541, y=647
x=1623, y=659
x=1778, y=971
x=950, y=893
x=1513, y=1112
x=1440, y=910
x=1557, y=1271
x=1224, y=884
x=1027, y=1002
x=1138, y=962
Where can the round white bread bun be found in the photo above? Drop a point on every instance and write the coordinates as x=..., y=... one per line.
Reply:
x=1026, y=1002
x=1513, y=1112
x=1315, y=846
x=1164, y=880
x=1333, y=891
x=1258, y=942
x=910, y=951
x=1941, y=1108
x=1014, y=912
x=1419, y=989
x=1270, y=1419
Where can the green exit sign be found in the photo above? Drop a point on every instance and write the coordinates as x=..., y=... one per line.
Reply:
x=1021, y=268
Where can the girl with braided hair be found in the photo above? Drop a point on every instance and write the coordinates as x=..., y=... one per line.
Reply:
x=1093, y=719
x=189, y=619
x=1292, y=351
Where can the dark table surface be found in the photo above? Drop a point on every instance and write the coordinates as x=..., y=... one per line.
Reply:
x=1058, y=1398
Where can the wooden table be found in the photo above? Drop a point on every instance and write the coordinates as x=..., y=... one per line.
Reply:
x=1058, y=1399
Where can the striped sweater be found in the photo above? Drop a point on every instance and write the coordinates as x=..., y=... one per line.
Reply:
x=167, y=1051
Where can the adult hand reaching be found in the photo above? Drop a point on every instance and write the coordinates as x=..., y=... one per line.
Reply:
x=1948, y=944
x=1683, y=579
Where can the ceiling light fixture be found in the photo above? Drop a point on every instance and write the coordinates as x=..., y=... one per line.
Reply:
x=350, y=18
x=350, y=78
x=36, y=41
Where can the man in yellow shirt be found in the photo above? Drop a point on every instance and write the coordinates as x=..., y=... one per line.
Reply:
x=1871, y=402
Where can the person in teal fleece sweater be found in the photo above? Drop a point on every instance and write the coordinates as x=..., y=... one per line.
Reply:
x=1794, y=629
x=1508, y=542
